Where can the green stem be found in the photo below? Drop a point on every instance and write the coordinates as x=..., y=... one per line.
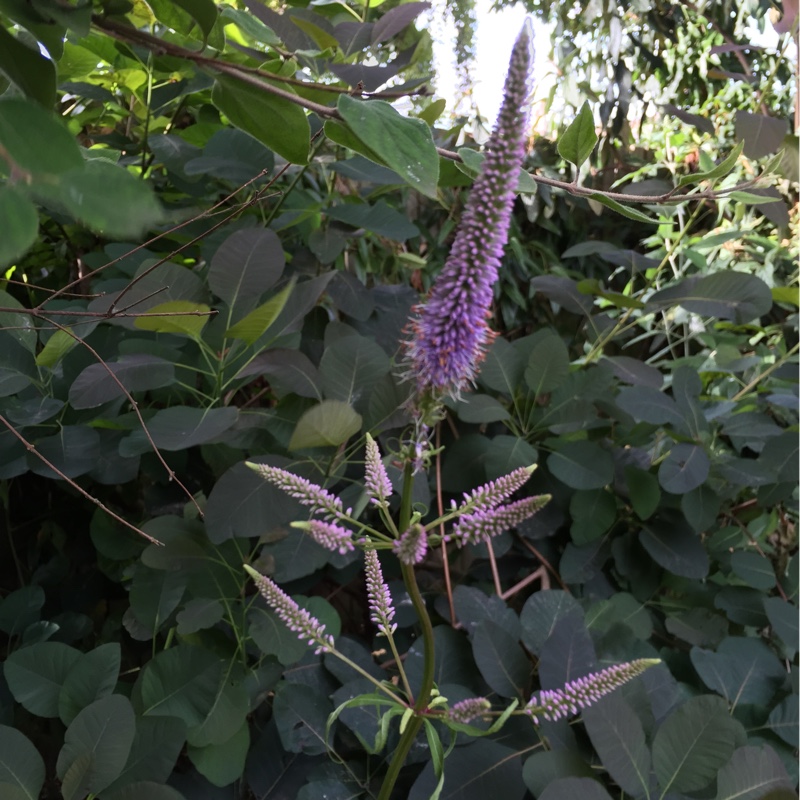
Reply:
x=424, y=697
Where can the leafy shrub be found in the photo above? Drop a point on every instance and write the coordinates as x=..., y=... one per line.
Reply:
x=647, y=367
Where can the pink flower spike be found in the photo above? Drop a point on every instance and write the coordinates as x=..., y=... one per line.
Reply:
x=377, y=482
x=295, y=618
x=553, y=704
x=495, y=492
x=485, y=523
x=331, y=536
x=381, y=610
x=306, y=493
x=467, y=710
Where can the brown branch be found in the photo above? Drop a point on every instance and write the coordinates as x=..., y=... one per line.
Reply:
x=544, y=561
x=246, y=75
x=46, y=313
x=31, y=448
x=209, y=212
x=170, y=473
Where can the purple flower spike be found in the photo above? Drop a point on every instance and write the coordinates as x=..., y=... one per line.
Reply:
x=554, y=704
x=381, y=610
x=411, y=547
x=450, y=336
x=377, y=481
x=493, y=493
x=467, y=710
x=295, y=618
x=488, y=522
x=307, y=493
x=331, y=536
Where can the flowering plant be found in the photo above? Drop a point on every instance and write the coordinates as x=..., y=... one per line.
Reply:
x=448, y=341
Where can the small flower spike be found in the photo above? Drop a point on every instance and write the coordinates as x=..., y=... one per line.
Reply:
x=308, y=494
x=467, y=710
x=493, y=493
x=295, y=618
x=450, y=335
x=412, y=545
x=377, y=482
x=554, y=704
x=381, y=610
x=488, y=522
x=331, y=536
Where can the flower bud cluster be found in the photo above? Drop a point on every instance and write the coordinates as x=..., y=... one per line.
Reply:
x=378, y=596
x=553, y=704
x=295, y=618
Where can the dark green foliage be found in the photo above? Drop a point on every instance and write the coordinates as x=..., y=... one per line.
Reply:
x=210, y=257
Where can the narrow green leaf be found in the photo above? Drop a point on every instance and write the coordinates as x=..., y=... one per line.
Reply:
x=750, y=198
x=190, y=320
x=279, y=124
x=58, y=345
x=626, y=211
x=722, y=169
x=578, y=140
x=258, y=321
x=404, y=144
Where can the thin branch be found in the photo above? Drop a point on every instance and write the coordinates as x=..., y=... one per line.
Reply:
x=544, y=561
x=248, y=75
x=31, y=448
x=170, y=473
x=440, y=507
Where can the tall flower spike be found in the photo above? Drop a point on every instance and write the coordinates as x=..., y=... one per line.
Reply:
x=488, y=522
x=554, y=704
x=450, y=335
x=308, y=494
x=381, y=610
x=295, y=618
x=377, y=482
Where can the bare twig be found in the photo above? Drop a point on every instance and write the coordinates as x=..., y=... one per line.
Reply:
x=440, y=507
x=253, y=77
x=32, y=449
x=171, y=474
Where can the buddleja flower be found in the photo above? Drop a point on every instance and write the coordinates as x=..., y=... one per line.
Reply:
x=488, y=522
x=331, y=536
x=493, y=493
x=467, y=710
x=450, y=335
x=295, y=618
x=308, y=494
x=377, y=482
x=554, y=704
x=412, y=545
x=381, y=610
